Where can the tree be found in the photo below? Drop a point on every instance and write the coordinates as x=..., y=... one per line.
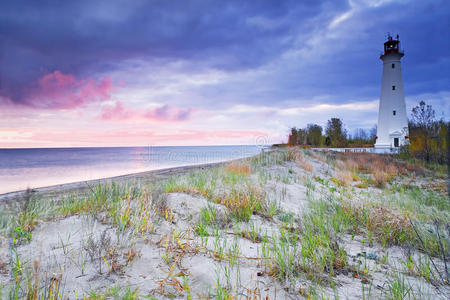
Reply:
x=422, y=131
x=428, y=137
x=292, y=141
x=311, y=135
x=336, y=133
x=423, y=116
x=301, y=136
x=314, y=134
x=359, y=138
x=360, y=134
x=362, y=137
x=372, y=134
x=442, y=141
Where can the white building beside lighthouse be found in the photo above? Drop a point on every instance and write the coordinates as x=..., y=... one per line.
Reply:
x=392, y=130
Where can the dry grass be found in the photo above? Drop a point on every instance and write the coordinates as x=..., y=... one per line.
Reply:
x=351, y=165
x=301, y=161
x=437, y=187
x=380, y=177
x=381, y=216
x=382, y=167
x=363, y=162
x=319, y=155
x=305, y=165
x=362, y=185
x=389, y=226
x=252, y=236
x=242, y=204
x=191, y=191
x=3, y=267
x=159, y=201
x=176, y=246
x=344, y=177
x=238, y=168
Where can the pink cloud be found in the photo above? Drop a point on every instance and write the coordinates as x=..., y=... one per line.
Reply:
x=62, y=91
x=165, y=113
x=72, y=137
x=169, y=113
x=116, y=112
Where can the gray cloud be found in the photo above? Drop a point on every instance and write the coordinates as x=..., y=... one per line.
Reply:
x=275, y=53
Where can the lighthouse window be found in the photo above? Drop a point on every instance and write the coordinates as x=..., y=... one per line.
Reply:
x=393, y=87
x=394, y=112
x=393, y=66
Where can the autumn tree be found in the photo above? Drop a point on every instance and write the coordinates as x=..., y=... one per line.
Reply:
x=336, y=133
x=421, y=130
x=443, y=136
x=428, y=137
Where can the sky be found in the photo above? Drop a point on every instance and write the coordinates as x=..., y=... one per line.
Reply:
x=212, y=72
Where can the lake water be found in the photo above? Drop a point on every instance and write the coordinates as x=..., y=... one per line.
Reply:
x=39, y=167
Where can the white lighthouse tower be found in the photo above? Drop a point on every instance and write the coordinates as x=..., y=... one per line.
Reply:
x=392, y=130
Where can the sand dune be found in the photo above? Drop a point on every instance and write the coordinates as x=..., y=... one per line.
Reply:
x=287, y=224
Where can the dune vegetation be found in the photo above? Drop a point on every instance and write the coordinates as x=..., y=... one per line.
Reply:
x=288, y=223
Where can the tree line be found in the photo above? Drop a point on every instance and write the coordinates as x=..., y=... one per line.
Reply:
x=335, y=135
x=428, y=137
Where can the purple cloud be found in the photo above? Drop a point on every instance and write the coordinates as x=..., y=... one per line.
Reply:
x=165, y=113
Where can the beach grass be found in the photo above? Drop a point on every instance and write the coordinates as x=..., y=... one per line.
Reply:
x=312, y=203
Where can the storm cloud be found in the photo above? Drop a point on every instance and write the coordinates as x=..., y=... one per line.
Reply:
x=198, y=62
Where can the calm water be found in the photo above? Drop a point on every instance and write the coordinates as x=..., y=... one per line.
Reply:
x=22, y=168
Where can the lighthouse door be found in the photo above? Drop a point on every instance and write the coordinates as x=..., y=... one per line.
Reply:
x=395, y=142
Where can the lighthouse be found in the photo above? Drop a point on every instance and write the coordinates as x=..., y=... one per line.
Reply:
x=392, y=130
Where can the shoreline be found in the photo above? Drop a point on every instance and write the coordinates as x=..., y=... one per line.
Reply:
x=82, y=186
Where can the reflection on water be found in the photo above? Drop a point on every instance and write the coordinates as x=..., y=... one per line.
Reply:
x=22, y=168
